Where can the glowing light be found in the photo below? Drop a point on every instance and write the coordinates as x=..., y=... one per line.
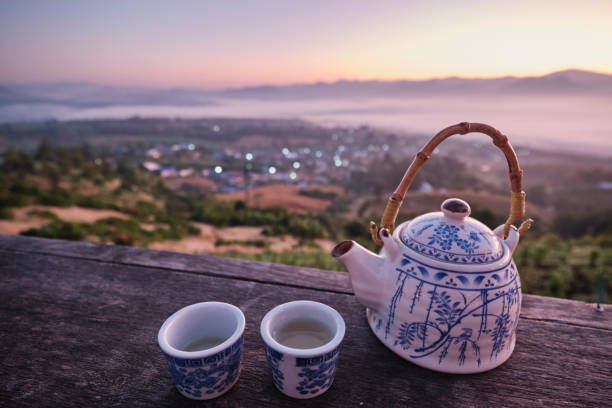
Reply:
x=296, y=165
x=218, y=169
x=248, y=156
x=272, y=170
x=293, y=175
x=191, y=146
x=216, y=128
x=306, y=150
x=319, y=154
x=341, y=148
x=285, y=151
x=338, y=162
x=385, y=147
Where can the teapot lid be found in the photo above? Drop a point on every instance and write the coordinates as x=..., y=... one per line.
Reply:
x=451, y=236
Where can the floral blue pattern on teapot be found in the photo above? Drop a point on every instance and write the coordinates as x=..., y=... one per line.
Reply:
x=444, y=292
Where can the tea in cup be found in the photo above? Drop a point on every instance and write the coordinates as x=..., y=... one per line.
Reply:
x=202, y=344
x=303, y=340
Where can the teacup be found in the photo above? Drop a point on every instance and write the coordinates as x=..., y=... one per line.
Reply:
x=203, y=348
x=303, y=341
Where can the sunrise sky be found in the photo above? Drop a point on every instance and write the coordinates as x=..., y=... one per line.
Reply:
x=230, y=43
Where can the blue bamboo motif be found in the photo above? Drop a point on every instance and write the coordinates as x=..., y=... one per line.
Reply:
x=449, y=315
x=401, y=278
x=433, y=294
x=456, y=311
x=417, y=295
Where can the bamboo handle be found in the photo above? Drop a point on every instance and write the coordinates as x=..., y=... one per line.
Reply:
x=517, y=197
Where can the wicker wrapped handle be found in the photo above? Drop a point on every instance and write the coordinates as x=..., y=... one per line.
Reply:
x=517, y=197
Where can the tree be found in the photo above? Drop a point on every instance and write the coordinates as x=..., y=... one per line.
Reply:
x=45, y=150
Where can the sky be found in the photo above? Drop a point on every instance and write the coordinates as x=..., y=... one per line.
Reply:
x=230, y=43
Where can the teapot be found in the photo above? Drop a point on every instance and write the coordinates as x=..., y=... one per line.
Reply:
x=444, y=292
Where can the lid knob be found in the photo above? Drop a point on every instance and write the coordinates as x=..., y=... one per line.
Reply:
x=456, y=209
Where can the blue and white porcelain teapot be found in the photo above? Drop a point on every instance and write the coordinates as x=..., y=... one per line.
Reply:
x=444, y=292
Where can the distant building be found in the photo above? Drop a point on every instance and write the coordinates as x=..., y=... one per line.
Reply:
x=186, y=172
x=168, y=171
x=154, y=153
x=151, y=166
x=605, y=185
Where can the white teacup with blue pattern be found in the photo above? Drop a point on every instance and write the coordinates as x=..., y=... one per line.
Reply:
x=297, y=371
x=203, y=348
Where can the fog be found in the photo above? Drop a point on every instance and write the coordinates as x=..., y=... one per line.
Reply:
x=559, y=122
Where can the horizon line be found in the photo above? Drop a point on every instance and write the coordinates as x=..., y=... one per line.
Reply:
x=293, y=84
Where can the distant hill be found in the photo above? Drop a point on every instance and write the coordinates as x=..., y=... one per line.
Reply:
x=81, y=94
x=572, y=82
x=563, y=82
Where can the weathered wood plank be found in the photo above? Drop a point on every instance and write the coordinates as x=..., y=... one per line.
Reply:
x=567, y=311
x=210, y=265
x=534, y=307
x=83, y=333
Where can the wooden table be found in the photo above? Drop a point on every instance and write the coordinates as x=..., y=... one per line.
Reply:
x=79, y=322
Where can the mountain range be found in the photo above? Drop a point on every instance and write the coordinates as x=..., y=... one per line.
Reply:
x=78, y=94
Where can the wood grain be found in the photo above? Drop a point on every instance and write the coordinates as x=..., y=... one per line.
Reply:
x=210, y=265
x=78, y=332
x=534, y=307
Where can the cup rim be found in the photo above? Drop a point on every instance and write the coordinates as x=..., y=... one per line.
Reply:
x=174, y=352
x=329, y=346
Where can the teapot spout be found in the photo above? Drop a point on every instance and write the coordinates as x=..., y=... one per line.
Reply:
x=365, y=270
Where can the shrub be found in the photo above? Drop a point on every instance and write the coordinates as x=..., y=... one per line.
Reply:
x=92, y=202
x=144, y=210
x=214, y=212
x=58, y=229
x=14, y=195
x=355, y=228
x=43, y=214
x=556, y=285
x=56, y=196
x=193, y=230
x=313, y=259
x=258, y=243
x=316, y=193
x=306, y=228
x=6, y=213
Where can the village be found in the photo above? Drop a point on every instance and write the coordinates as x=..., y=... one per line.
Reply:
x=259, y=160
